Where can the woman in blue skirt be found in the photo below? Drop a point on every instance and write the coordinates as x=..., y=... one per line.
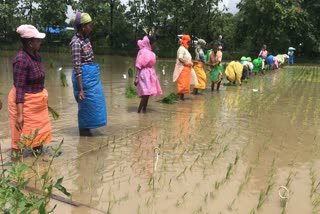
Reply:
x=87, y=87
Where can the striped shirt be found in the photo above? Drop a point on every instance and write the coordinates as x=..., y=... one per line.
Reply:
x=28, y=75
x=81, y=52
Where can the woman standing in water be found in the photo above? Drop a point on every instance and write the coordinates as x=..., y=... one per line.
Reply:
x=146, y=78
x=214, y=62
x=182, y=70
x=199, y=66
x=28, y=99
x=87, y=87
x=263, y=54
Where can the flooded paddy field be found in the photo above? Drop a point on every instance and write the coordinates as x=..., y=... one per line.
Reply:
x=248, y=149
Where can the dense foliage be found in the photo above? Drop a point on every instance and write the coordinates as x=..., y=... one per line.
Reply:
x=117, y=26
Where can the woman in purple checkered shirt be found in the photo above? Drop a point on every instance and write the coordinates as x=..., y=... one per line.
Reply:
x=87, y=87
x=28, y=98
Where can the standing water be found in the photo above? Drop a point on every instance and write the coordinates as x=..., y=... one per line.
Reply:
x=218, y=152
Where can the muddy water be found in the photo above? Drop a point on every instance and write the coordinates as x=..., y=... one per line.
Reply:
x=226, y=152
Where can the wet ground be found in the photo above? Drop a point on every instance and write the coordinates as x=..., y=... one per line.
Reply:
x=221, y=152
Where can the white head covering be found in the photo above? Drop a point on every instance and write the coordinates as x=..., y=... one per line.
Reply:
x=29, y=31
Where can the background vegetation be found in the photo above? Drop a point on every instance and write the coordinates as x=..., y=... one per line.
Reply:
x=117, y=26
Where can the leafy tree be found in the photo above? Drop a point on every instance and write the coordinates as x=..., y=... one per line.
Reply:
x=312, y=39
x=278, y=23
x=103, y=13
x=8, y=19
x=52, y=13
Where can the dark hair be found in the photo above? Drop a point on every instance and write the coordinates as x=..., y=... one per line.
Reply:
x=152, y=39
x=25, y=41
x=216, y=45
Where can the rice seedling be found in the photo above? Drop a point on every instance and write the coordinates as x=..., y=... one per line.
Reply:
x=151, y=180
x=195, y=161
x=236, y=159
x=63, y=79
x=182, y=173
x=245, y=181
x=54, y=114
x=217, y=185
x=109, y=208
x=265, y=192
x=198, y=211
x=169, y=184
x=314, y=194
x=181, y=200
x=230, y=167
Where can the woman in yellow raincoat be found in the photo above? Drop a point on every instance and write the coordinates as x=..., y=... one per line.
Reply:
x=234, y=72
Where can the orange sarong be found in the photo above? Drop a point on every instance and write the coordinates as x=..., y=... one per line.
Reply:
x=183, y=81
x=36, y=116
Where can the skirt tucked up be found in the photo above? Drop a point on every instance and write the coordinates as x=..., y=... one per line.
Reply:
x=183, y=81
x=216, y=73
x=201, y=76
x=36, y=117
x=92, y=111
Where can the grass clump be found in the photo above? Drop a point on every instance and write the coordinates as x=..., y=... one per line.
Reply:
x=131, y=91
x=170, y=99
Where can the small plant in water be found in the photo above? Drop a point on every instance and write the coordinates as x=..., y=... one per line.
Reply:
x=54, y=114
x=16, y=196
x=171, y=98
x=131, y=91
x=63, y=79
x=130, y=72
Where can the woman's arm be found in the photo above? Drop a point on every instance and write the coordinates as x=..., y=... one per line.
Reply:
x=20, y=118
x=76, y=58
x=20, y=69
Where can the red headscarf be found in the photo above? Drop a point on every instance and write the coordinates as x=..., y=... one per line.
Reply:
x=184, y=41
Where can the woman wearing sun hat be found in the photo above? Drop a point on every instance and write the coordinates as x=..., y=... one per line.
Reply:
x=28, y=99
x=87, y=87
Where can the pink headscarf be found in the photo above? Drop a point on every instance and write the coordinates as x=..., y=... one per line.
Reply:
x=144, y=43
x=145, y=56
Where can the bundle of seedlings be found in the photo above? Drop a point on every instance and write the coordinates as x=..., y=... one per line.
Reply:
x=131, y=91
x=54, y=114
x=171, y=98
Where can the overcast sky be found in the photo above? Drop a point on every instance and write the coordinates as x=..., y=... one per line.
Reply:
x=232, y=5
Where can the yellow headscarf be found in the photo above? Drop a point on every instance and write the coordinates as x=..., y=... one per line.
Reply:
x=80, y=18
x=184, y=41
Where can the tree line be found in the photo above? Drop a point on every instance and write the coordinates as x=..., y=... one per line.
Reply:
x=117, y=26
